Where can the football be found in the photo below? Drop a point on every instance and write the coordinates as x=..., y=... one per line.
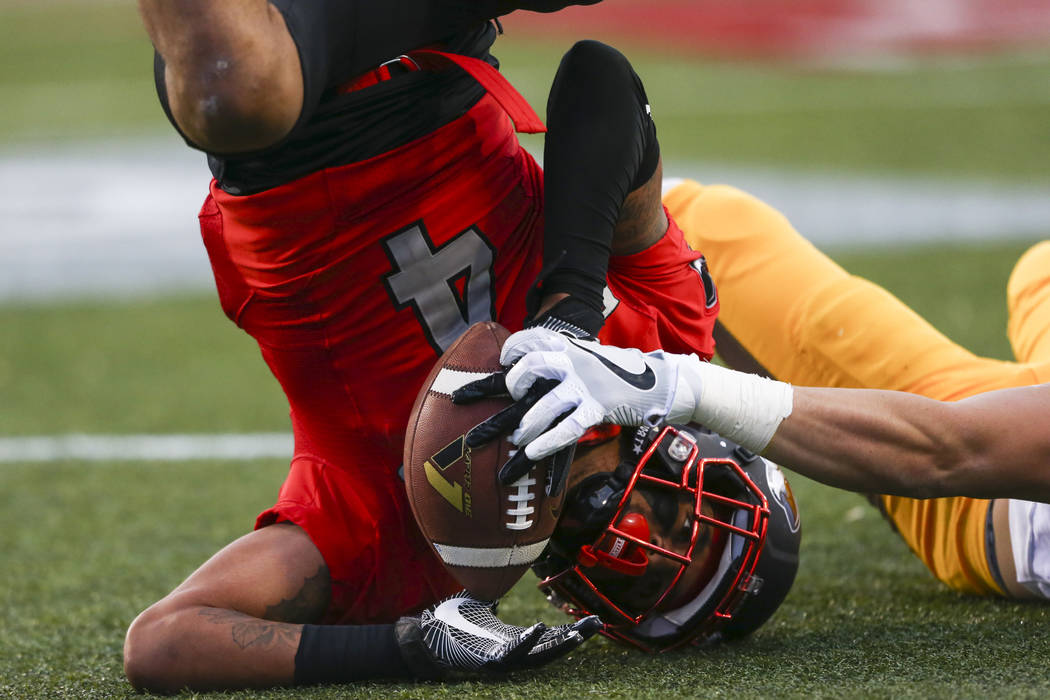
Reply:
x=487, y=534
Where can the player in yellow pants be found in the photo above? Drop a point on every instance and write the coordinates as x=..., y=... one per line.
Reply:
x=809, y=322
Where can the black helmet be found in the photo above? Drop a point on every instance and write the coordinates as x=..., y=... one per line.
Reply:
x=722, y=561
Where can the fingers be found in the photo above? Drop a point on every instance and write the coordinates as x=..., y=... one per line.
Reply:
x=551, y=412
x=536, y=366
x=567, y=432
x=559, y=470
x=534, y=340
x=520, y=463
x=496, y=425
x=589, y=626
x=559, y=641
x=527, y=382
x=506, y=420
x=530, y=340
x=559, y=401
x=515, y=652
x=486, y=387
x=555, y=422
x=515, y=468
x=550, y=645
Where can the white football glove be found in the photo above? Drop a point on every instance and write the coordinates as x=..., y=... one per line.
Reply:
x=563, y=386
x=597, y=384
x=462, y=633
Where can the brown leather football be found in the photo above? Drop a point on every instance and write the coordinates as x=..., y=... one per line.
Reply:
x=485, y=533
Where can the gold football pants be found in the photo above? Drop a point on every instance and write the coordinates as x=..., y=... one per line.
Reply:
x=809, y=322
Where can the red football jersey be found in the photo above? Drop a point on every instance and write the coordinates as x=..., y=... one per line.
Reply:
x=354, y=279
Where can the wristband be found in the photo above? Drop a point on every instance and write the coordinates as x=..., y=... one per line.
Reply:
x=346, y=653
x=569, y=316
x=745, y=408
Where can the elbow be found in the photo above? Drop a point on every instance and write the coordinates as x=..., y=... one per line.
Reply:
x=227, y=101
x=233, y=78
x=223, y=112
x=935, y=478
x=148, y=659
x=950, y=464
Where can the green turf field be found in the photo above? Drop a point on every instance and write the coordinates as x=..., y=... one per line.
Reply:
x=85, y=546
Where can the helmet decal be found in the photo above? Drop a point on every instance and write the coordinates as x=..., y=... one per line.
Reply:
x=641, y=438
x=781, y=492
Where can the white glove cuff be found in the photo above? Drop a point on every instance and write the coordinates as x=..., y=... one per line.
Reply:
x=743, y=407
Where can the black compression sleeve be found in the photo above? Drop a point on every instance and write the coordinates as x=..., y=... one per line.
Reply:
x=601, y=144
x=346, y=653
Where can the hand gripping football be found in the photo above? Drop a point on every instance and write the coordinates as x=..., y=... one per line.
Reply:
x=487, y=534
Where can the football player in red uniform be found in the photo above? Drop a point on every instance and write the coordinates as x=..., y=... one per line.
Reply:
x=370, y=201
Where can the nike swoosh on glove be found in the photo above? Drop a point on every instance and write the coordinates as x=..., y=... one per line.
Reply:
x=463, y=634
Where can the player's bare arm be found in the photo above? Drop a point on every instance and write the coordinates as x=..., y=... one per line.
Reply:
x=232, y=72
x=916, y=439
x=245, y=607
x=993, y=445
x=642, y=220
x=244, y=620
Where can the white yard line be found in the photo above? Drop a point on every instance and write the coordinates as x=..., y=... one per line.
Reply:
x=115, y=448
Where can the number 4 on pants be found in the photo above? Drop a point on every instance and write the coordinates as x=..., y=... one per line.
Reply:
x=449, y=288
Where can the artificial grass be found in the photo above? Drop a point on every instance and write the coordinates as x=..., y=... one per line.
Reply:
x=85, y=546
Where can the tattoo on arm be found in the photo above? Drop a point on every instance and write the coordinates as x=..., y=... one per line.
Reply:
x=642, y=222
x=281, y=624
x=308, y=604
x=247, y=631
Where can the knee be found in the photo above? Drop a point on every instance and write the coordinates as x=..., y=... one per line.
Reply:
x=1032, y=269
